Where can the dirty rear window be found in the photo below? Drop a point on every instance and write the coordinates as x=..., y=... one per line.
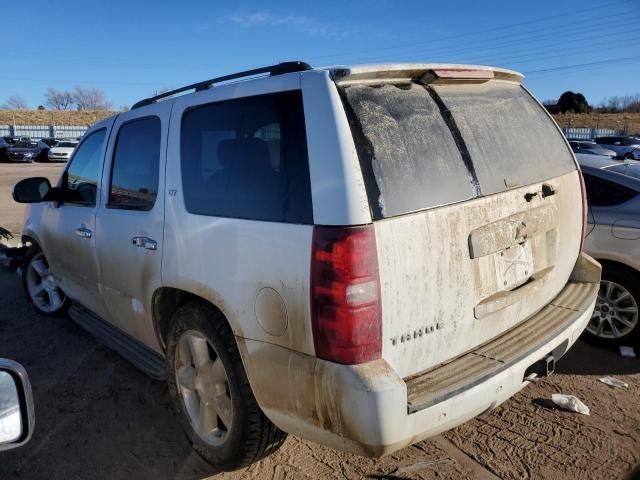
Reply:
x=408, y=154
x=422, y=147
x=509, y=136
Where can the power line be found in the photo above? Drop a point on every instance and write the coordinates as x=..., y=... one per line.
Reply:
x=577, y=32
x=476, y=32
x=568, y=67
x=543, y=55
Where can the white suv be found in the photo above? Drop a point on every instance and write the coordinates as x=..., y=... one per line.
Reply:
x=361, y=256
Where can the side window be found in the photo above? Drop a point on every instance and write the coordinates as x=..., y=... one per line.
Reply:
x=247, y=158
x=601, y=193
x=81, y=177
x=136, y=162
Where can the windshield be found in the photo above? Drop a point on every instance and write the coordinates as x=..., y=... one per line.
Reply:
x=421, y=147
x=630, y=170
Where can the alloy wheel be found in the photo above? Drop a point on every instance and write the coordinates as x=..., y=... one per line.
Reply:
x=203, y=388
x=42, y=286
x=616, y=312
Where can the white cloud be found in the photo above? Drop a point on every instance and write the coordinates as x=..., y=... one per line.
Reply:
x=299, y=23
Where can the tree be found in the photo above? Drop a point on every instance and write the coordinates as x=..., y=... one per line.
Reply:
x=573, y=102
x=15, y=102
x=59, y=99
x=616, y=104
x=90, y=99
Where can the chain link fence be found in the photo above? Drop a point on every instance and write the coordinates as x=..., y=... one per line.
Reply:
x=589, y=133
x=36, y=132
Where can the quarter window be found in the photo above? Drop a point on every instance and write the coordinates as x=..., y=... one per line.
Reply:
x=247, y=158
x=136, y=160
x=81, y=178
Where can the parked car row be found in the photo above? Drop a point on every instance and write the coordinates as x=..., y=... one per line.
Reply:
x=24, y=149
x=615, y=147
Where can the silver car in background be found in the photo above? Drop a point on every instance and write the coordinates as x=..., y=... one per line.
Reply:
x=589, y=147
x=625, y=147
x=613, y=238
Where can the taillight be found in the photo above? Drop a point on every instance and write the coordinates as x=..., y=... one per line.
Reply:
x=345, y=295
x=584, y=210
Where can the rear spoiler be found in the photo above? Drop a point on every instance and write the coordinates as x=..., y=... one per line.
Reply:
x=422, y=73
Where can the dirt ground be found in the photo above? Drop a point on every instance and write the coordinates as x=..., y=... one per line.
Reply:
x=97, y=417
x=12, y=213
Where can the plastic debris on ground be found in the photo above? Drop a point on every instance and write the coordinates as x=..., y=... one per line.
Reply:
x=627, y=352
x=613, y=382
x=570, y=402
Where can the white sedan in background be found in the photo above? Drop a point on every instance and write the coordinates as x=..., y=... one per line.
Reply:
x=613, y=238
x=62, y=150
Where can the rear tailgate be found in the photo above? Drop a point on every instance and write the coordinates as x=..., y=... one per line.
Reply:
x=477, y=207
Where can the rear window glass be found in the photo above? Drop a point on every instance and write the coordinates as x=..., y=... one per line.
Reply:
x=421, y=147
x=409, y=156
x=511, y=140
x=247, y=158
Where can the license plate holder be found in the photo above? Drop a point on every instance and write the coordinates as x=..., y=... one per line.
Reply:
x=514, y=266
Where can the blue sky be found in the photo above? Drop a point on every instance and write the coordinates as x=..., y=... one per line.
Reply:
x=132, y=48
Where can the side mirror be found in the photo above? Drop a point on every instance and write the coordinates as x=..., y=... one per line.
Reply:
x=31, y=190
x=17, y=417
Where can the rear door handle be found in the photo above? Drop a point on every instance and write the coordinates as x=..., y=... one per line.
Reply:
x=84, y=232
x=144, y=242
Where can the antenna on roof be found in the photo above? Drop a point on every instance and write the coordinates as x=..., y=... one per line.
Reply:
x=278, y=69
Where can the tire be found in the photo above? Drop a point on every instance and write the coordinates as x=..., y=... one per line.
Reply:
x=622, y=285
x=203, y=362
x=628, y=156
x=50, y=299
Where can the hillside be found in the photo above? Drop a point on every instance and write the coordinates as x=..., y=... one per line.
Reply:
x=616, y=121
x=52, y=117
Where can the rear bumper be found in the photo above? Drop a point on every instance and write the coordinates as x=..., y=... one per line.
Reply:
x=369, y=410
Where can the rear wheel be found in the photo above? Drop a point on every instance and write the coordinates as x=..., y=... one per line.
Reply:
x=211, y=393
x=616, y=317
x=41, y=286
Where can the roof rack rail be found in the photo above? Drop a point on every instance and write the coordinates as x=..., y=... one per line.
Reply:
x=278, y=69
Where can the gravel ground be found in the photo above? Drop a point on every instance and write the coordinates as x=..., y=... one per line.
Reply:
x=97, y=417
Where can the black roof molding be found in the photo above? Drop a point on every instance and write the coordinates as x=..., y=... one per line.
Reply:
x=278, y=69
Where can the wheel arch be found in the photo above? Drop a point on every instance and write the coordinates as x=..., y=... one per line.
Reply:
x=617, y=264
x=166, y=301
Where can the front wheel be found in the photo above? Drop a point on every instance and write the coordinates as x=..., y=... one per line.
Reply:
x=211, y=393
x=615, y=319
x=41, y=286
x=628, y=156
